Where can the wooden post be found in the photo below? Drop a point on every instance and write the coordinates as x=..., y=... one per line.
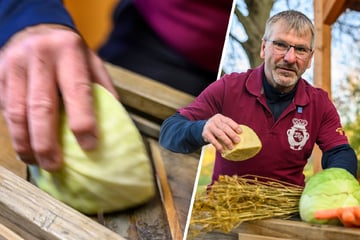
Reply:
x=322, y=62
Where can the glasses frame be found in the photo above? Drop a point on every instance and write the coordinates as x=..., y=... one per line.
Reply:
x=298, y=49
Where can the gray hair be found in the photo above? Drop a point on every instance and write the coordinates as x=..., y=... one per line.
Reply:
x=295, y=20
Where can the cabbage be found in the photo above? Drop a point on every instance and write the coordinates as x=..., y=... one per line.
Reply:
x=329, y=189
x=115, y=176
x=248, y=147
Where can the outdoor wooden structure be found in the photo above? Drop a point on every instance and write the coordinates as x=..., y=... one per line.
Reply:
x=326, y=12
x=29, y=213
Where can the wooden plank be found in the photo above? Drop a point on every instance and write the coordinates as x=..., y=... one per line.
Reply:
x=245, y=236
x=33, y=214
x=7, y=153
x=181, y=170
x=146, y=95
x=7, y=234
x=150, y=220
x=165, y=191
x=145, y=126
x=295, y=229
x=332, y=10
x=322, y=61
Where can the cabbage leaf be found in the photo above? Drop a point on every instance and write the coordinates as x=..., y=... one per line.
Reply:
x=115, y=176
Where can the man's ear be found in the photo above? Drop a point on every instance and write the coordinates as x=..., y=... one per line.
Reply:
x=310, y=59
x=262, y=49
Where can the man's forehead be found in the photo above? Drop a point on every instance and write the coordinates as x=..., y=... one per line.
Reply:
x=283, y=30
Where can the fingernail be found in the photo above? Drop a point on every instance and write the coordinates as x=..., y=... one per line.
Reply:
x=87, y=141
x=50, y=164
x=26, y=159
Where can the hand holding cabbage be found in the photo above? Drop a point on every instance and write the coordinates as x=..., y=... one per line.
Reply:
x=114, y=176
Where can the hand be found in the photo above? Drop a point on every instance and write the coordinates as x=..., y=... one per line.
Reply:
x=37, y=65
x=221, y=131
x=349, y=216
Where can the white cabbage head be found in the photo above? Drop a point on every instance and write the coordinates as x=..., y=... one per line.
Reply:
x=115, y=176
x=329, y=189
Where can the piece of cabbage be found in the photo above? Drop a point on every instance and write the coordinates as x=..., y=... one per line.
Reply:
x=248, y=147
x=329, y=189
x=115, y=176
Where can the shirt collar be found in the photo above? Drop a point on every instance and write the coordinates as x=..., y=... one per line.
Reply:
x=254, y=84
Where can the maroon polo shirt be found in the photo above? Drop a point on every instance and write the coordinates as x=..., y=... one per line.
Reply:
x=288, y=142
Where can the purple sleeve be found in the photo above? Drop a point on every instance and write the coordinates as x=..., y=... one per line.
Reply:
x=207, y=104
x=19, y=14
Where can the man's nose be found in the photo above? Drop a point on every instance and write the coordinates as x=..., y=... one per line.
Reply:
x=290, y=55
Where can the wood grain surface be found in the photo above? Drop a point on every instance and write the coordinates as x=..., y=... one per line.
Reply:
x=7, y=153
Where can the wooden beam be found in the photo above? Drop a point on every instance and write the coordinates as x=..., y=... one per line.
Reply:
x=7, y=234
x=146, y=95
x=296, y=229
x=33, y=214
x=322, y=63
x=332, y=10
x=322, y=59
x=165, y=191
x=7, y=153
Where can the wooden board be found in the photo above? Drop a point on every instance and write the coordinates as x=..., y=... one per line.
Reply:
x=7, y=153
x=296, y=229
x=152, y=98
x=153, y=221
x=33, y=214
x=286, y=229
x=7, y=234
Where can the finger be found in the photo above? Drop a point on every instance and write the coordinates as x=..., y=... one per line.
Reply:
x=226, y=135
x=218, y=146
x=100, y=74
x=15, y=104
x=75, y=84
x=2, y=82
x=43, y=111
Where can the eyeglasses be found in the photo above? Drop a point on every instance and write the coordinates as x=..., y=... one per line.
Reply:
x=281, y=47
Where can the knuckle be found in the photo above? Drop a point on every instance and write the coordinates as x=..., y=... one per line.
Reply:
x=82, y=125
x=16, y=113
x=41, y=106
x=21, y=147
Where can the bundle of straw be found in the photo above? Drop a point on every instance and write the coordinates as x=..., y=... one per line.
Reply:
x=233, y=200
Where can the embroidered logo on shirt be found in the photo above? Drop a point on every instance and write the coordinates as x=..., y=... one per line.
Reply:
x=340, y=131
x=297, y=134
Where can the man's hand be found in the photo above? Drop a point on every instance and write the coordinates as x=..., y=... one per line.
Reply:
x=38, y=66
x=221, y=131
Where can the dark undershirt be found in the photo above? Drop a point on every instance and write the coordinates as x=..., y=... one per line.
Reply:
x=276, y=100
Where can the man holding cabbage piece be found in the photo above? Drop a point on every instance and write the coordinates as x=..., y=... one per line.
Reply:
x=285, y=111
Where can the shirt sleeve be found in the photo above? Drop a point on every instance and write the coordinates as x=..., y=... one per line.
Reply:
x=179, y=134
x=19, y=14
x=342, y=157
